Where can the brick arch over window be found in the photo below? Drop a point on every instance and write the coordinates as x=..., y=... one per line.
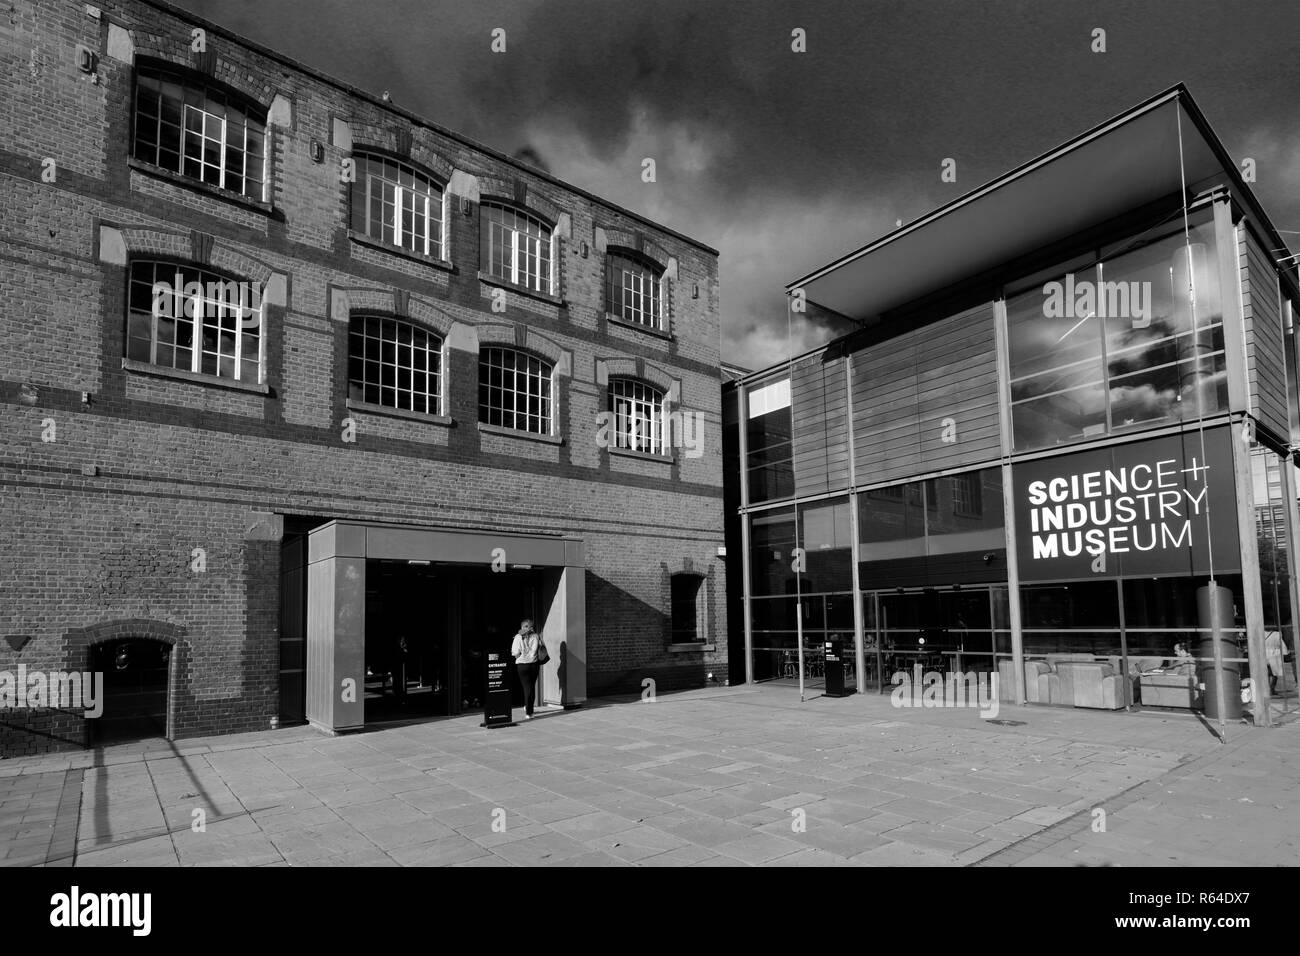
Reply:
x=131, y=243
x=622, y=367
x=528, y=340
x=398, y=303
x=422, y=157
x=153, y=50
x=429, y=315
x=415, y=321
x=518, y=195
x=79, y=645
x=635, y=245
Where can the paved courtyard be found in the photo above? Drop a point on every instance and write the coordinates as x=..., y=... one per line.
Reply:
x=730, y=776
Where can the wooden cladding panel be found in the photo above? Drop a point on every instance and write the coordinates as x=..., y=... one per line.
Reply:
x=913, y=391
x=1265, y=340
x=820, y=420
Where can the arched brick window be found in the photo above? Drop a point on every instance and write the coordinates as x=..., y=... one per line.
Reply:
x=515, y=390
x=190, y=127
x=394, y=363
x=516, y=247
x=395, y=203
x=634, y=290
x=194, y=319
x=638, y=415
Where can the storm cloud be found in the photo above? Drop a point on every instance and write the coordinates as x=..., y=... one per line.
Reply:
x=785, y=160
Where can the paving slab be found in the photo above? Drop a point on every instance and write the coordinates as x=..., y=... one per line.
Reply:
x=730, y=777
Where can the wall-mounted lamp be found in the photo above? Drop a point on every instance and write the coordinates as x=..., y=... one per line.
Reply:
x=317, y=151
x=584, y=250
x=86, y=58
x=695, y=290
x=465, y=207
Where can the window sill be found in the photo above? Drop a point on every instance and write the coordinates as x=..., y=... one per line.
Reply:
x=239, y=199
x=694, y=647
x=613, y=319
x=369, y=409
x=362, y=239
x=517, y=433
x=643, y=455
x=198, y=378
x=489, y=279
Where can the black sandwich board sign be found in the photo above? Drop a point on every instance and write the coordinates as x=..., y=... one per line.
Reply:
x=496, y=702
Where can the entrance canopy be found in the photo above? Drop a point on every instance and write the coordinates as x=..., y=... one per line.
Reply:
x=360, y=539
x=1124, y=164
x=337, y=557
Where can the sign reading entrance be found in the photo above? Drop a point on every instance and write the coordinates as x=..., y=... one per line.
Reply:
x=496, y=702
x=1150, y=507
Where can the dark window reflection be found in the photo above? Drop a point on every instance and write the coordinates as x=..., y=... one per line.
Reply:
x=1122, y=345
x=826, y=532
x=768, y=431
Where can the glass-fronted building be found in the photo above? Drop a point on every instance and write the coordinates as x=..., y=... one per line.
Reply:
x=1057, y=445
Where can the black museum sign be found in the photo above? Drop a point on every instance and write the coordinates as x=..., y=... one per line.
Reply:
x=1146, y=507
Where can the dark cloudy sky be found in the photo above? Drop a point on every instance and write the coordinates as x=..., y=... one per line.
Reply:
x=783, y=161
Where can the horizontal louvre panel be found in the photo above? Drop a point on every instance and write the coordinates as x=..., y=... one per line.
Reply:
x=905, y=388
x=820, y=415
x=1265, y=343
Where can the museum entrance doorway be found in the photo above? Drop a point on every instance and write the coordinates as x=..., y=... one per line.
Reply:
x=428, y=628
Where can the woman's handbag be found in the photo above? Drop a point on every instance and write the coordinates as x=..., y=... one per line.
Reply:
x=543, y=655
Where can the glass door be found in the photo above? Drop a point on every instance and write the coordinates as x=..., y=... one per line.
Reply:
x=948, y=631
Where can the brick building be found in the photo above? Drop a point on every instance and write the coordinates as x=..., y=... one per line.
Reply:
x=366, y=431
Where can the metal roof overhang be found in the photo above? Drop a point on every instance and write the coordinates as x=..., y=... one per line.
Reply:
x=1126, y=163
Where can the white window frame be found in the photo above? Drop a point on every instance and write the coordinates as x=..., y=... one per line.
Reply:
x=177, y=275
x=212, y=100
x=628, y=415
x=435, y=196
x=514, y=413
x=435, y=347
x=624, y=267
x=511, y=234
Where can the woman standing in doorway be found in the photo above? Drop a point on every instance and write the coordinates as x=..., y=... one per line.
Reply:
x=527, y=650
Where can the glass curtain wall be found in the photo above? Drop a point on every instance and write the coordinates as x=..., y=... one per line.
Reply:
x=1109, y=344
x=1271, y=509
x=1113, y=345
x=816, y=582
x=932, y=559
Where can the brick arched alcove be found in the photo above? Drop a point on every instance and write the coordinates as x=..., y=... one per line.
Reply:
x=80, y=642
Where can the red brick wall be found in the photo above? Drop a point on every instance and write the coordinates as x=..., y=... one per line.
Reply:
x=98, y=525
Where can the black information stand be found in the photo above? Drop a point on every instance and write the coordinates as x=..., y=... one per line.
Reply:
x=496, y=701
x=835, y=670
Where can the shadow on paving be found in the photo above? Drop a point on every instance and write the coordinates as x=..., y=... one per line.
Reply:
x=719, y=776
